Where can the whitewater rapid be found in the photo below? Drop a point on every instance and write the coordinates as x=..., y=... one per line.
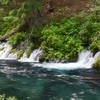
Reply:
x=85, y=59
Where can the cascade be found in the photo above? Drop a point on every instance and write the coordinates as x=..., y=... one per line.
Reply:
x=34, y=57
x=85, y=59
x=4, y=54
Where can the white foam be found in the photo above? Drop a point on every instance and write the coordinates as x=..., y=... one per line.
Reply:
x=85, y=59
x=34, y=57
x=5, y=55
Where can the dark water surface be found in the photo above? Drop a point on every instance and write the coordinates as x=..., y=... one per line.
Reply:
x=28, y=82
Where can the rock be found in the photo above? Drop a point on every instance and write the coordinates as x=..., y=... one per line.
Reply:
x=97, y=63
x=28, y=53
x=13, y=50
x=2, y=48
x=20, y=54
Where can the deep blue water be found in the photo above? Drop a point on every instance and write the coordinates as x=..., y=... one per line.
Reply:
x=28, y=82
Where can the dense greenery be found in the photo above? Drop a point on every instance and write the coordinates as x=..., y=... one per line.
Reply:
x=66, y=38
x=61, y=38
x=2, y=97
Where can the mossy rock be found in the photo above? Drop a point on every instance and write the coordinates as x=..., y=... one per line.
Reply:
x=97, y=63
x=20, y=54
x=28, y=53
x=43, y=57
x=13, y=50
x=2, y=48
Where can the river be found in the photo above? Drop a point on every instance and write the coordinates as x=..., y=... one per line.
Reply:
x=27, y=81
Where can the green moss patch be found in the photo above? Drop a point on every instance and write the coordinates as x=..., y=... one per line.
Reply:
x=97, y=63
x=2, y=48
x=13, y=50
x=28, y=53
x=20, y=54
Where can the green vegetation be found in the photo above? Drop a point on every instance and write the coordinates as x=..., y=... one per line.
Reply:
x=97, y=63
x=59, y=37
x=2, y=48
x=17, y=38
x=13, y=50
x=66, y=38
x=20, y=54
x=2, y=97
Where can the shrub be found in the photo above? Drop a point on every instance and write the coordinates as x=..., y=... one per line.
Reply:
x=11, y=19
x=17, y=38
x=61, y=39
x=67, y=37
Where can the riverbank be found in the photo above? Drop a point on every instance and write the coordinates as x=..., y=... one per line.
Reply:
x=61, y=36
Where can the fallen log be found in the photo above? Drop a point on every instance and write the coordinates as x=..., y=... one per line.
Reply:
x=90, y=78
x=8, y=34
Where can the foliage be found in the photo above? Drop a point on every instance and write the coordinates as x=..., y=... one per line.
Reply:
x=2, y=97
x=20, y=54
x=5, y=27
x=61, y=39
x=66, y=38
x=5, y=2
x=17, y=38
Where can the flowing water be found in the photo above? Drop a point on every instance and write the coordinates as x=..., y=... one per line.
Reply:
x=28, y=80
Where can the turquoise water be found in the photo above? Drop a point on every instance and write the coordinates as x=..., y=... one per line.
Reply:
x=29, y=82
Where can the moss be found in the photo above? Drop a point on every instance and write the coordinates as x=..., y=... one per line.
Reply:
x=97, y=63
x=3, y=97
x=28, y=53
x=13, y=50
x=42, y=58
x=20, y=54
x=2, y=48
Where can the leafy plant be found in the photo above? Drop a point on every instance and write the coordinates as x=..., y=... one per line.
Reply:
x=17, y=38
x=2, y=97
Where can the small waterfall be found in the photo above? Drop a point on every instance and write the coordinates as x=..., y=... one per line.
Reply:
x=4, y=54
x=85, y=59
x=34, y=57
